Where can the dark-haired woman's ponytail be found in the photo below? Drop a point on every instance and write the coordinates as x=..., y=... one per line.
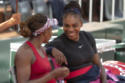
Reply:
x=24, y=30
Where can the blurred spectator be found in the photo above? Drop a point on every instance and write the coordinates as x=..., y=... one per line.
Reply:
x=13, y=4
x=96, y=10
x=57, y=9
x=108, y=9
x=29, y=7
x=26, y=6
x=15, y=19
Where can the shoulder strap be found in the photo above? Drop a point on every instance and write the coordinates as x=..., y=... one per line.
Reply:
x=33, y=48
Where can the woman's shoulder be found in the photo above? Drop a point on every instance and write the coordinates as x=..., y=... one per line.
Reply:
x=24, y=52
x=57, y=42
x=87, y=34
x=59, y=39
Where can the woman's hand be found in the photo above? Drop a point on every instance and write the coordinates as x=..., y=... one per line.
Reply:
x=59, y=57
x=60, y=72
x=15, y=19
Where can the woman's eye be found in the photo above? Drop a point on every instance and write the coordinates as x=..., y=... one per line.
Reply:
x=66, y=25
x=75, y=26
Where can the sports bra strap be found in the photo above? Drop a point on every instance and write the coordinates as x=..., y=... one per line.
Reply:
x=33, y=48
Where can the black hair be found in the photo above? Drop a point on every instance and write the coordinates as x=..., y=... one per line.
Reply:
x=72, y=8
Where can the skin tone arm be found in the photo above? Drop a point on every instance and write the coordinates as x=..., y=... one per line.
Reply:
x=15, y=19
x=59, y=57
x=23, y=61
x=96, y=60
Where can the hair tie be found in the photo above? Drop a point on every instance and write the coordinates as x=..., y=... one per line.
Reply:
x=75, y=10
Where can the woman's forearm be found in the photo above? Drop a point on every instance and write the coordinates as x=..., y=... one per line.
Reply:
x=96, y=60
x=44, y=79
x=7, y=24
x=103, y=76
x=15, y=19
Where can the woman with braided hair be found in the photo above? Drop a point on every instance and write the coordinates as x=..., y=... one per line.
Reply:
x=79, y=48
x=31, y=61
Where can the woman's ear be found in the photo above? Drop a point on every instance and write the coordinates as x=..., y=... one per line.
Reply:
x=43, y=33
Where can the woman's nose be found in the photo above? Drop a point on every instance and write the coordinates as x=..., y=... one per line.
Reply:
x=70, y=28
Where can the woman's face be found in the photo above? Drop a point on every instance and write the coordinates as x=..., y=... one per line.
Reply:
x=71, y=27
x=48, y=34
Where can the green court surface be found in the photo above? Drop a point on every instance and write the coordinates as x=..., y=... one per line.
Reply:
x=5, y=57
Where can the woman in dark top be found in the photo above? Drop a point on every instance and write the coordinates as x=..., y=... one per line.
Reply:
x=79, y=48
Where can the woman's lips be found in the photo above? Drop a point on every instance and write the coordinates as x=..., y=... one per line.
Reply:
x=71, y=34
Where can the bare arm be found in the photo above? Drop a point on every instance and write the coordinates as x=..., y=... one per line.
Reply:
x=59, y=57
x=96, y=60
x=23, y=69
x=15, y=19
